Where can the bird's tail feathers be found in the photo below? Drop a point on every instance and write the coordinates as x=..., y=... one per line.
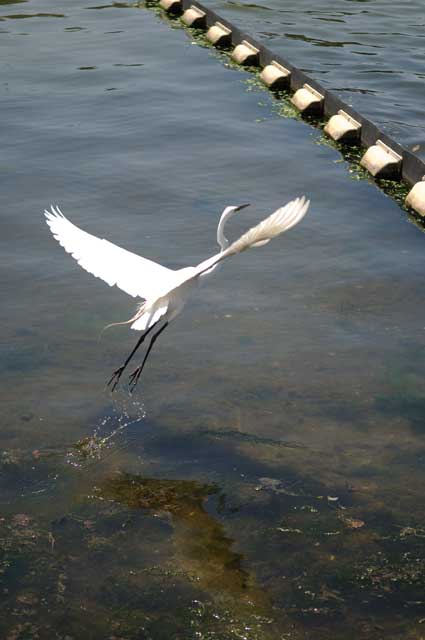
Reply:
x=137, y=315
x=148, y=315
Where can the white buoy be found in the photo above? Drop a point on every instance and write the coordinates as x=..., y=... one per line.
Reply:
x=416, y=197
x=275, y=76
x=343, y=128
x=219, y=35
x=382, y=161
x=308, y=100
x=172, y=6
x=194, y=17
x=245, y=53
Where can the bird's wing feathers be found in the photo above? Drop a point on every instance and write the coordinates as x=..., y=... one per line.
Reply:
x=278, y=222
x=133, y=274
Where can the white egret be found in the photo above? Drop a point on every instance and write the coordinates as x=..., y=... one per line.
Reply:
x=164, y=291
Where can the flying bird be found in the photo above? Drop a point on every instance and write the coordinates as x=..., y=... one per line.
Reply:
x=164, y=292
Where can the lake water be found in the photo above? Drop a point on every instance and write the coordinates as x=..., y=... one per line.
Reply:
x=370, y=52
x=265, y=481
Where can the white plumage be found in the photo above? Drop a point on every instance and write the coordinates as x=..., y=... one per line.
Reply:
x=164, y=291
x=133, y=274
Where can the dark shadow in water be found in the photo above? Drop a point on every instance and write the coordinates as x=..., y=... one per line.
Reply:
x=409, y=405
x=405, y=396
x=115, y=5
x=22, y=16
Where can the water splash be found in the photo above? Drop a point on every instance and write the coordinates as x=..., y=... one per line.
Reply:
x=108, y=438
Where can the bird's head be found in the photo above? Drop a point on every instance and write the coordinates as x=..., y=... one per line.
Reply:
x=241, y=206
x=227, y=213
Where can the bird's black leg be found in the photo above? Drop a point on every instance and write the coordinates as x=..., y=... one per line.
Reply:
x=134, y=377
x=118, y=372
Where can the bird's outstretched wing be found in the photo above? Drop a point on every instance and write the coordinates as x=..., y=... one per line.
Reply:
x=133, y=274
x=281, y=220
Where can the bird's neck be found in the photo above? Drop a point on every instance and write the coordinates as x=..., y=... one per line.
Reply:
x=221, y=238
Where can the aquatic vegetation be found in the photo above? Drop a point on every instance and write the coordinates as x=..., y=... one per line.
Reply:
x=169, y=562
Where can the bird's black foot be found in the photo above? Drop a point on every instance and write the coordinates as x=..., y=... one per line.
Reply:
x=115, y=378
x=134, y=378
